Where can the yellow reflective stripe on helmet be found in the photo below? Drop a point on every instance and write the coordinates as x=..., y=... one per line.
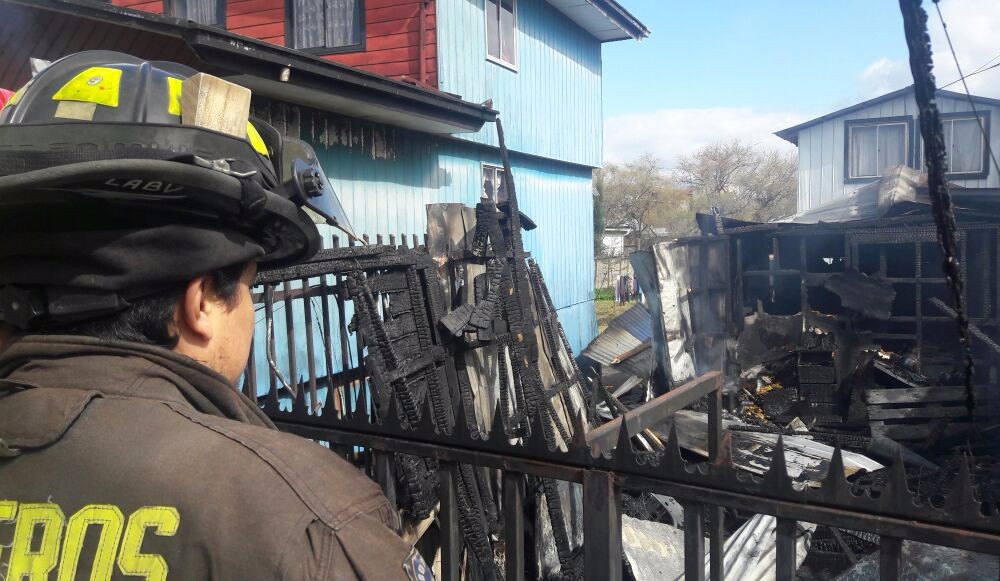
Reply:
x=174, y=102
x=255, y=140
x=99, y=85
x=15, y=97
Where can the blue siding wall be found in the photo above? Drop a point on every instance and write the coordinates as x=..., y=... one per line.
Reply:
x=385, y=180
x=551, y=106
x=390, y=196
x=821, y=149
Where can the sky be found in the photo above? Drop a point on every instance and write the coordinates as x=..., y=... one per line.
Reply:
x=714, y=70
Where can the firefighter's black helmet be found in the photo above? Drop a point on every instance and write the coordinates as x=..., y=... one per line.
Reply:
x=105, y=194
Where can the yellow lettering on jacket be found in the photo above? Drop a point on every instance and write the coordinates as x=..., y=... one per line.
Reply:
x=44, y=519
x=111, y=521
x=164, y=520
x=8, y=508
x=39, y=534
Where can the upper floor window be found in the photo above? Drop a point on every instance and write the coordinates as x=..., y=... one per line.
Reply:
x=211, y=12
x=965, y=143
x=493, y=184
x=874, y=145
x=326, y=26
x=501, y=28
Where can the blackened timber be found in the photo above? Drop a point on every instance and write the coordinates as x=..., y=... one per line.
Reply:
x=936, y=160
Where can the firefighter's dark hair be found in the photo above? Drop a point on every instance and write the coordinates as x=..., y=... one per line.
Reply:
x=149, y=320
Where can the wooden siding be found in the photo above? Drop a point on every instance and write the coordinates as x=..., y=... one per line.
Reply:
x=821, y=149
x=154, y=6
x=385, y=177
x=392, y=33
x=551, y=106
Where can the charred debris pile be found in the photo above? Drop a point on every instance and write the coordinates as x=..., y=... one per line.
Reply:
x=834, y=327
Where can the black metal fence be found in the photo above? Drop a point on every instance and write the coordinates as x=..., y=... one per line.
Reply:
x=327, y=391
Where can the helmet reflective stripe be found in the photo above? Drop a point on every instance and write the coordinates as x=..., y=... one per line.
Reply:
x=99, y=85
x=174, y=102
x=256, y=140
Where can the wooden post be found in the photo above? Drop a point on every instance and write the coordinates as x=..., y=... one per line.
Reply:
x=213, y=103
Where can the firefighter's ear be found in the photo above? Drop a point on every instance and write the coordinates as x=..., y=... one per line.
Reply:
x=196, y=312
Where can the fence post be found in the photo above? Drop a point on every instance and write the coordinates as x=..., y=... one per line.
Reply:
x=694, y=541
x=716, y=543
x=513, y=519
x=602, y=526
x=384, y=474
x=785, y=550
x=890, y=558
x=451, y=536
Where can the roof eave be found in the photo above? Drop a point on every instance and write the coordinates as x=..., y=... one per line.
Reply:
x=629, y=24
x=312, y=81
x=617, y=23
x=791, y=134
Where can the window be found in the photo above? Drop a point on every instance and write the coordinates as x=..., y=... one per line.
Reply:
x=965, y=144
x=873, y=146
x=326, y=26
x=493, y=184
x=211, y=12
x=501, y=26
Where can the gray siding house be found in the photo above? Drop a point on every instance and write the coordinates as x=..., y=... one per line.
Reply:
x=848, y=149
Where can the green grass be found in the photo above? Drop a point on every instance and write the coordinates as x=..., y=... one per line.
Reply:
x=607, y=310
x=604, y=294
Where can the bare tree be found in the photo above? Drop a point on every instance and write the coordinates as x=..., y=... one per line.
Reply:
x=631, y=191
x=741, y=180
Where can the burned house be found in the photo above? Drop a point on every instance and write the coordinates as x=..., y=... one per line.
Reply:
x=841, y=315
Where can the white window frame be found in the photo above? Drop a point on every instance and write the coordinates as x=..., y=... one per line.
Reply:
x=486, y=22
x=948, y=146
x=498, y=173
x=875, y=123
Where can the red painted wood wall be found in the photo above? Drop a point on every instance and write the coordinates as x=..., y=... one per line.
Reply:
x=392, y=33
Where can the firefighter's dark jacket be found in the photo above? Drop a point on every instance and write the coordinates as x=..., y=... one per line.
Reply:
x=132, y=461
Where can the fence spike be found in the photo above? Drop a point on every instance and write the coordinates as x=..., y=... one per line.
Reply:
x=361, y=404
x=961, y=501
x=624, y=445
x=834, y=485
x=672, y=454
x=299, y=405
x=460, y=430
x=498, y=433
x=777, y=479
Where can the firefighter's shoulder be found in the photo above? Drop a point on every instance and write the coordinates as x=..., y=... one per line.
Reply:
x=347, y=529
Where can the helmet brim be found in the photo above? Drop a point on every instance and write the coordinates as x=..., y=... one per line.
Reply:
x=169, y=188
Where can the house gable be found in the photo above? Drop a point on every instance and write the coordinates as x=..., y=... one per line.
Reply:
x=824, y=164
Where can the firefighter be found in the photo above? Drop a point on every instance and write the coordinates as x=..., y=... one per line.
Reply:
x=129, y=245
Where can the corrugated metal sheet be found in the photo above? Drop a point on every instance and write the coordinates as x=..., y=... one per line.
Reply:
x=624, y=334
x=551, y=105
x=821, y=149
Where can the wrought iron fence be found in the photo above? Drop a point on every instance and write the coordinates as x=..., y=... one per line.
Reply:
x=339, y=300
